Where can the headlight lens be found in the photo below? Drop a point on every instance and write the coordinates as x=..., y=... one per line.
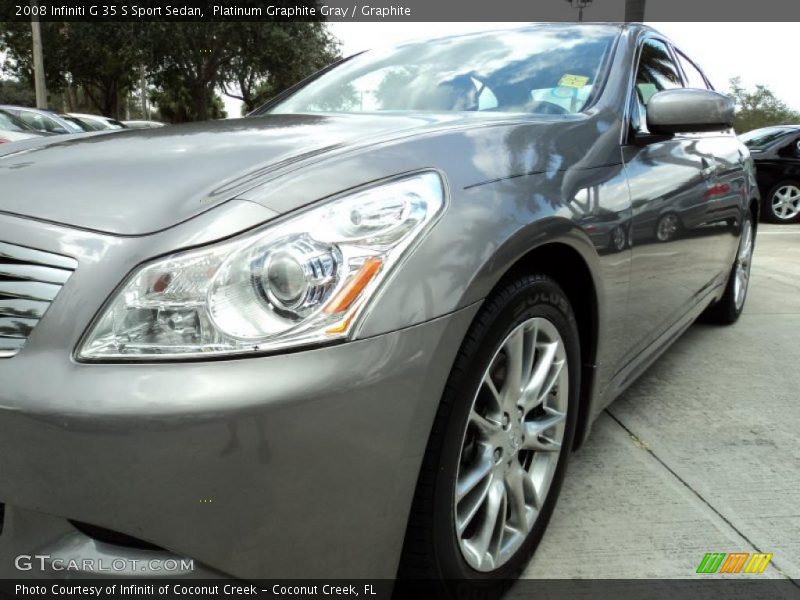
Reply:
x=305, y=280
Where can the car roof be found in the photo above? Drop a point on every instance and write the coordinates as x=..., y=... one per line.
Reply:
x=776, y=127
x=88, y=116
x=41, y=111
x=784, y=129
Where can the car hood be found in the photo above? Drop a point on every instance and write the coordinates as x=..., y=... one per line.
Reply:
x=136, y=182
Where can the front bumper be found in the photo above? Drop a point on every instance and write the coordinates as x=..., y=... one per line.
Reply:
x=295, y=465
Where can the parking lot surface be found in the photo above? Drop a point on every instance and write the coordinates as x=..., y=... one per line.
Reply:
x=701, y=454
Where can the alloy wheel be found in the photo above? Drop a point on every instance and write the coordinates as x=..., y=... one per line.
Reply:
x=743, y=260
x=667, y=228
x=511, y=444
x=786, y=202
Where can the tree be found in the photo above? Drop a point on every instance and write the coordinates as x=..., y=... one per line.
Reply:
x=175, y=105
x=100, y=59
x=759, y=108
x=16, y=92
x=184, y=62
x=96, y=65
x=267, y=58
x=16, y=43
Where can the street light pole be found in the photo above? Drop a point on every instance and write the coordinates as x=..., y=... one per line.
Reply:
x=634, y=10
x=580, y=5
x=38, y=61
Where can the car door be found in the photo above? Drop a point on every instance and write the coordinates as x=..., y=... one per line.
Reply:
x=675, y=245
x=720, y=211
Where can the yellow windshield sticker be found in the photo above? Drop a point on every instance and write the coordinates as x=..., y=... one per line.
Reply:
x=575, y=81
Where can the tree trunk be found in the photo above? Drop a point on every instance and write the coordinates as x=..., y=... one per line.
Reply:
x=201, y=106
x=69, y=96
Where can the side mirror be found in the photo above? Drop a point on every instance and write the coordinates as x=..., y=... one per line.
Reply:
x=59, y=130
x=687, y=110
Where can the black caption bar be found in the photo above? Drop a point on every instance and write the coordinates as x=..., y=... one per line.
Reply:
x=316, y=589
x=399, y=10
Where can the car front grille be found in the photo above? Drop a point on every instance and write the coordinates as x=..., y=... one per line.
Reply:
x=29, y=281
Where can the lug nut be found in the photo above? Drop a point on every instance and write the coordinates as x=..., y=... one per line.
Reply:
x=498, y=453
x=506, y=419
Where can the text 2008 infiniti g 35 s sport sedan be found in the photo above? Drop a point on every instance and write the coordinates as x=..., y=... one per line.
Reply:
x=358, y=333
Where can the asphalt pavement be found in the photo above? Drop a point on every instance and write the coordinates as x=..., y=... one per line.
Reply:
x=702, y=453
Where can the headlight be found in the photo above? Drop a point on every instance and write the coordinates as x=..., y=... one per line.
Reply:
x=302, y=281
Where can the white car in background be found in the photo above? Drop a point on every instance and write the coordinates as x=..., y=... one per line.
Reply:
x=46, y=120
x=97, y=122
x=12, y=129
x=142, y=124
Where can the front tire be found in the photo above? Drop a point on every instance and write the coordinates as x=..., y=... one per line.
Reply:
x=499, y=446
x=782, y=204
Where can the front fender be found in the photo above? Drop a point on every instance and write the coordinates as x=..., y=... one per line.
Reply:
x=486, y=230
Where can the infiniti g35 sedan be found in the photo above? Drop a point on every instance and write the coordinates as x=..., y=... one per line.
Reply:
x=359, y=332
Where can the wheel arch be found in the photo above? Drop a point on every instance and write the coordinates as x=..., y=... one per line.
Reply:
x=571, y=269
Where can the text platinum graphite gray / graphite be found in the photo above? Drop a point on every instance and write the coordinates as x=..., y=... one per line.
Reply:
x=271, y=10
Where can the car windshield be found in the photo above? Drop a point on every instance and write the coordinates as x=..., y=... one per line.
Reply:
x=761, y=138
x=545, y=69
x=75, y=125
x=90, y=125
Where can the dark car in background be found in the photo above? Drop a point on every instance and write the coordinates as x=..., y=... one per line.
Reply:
x=776, y=152
x=359, y=332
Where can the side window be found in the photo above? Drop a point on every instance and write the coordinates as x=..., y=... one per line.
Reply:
x=694, y=78
x=656, y=72
x=33, y=120
x=54, y=126
x=792, y=149
x=26, y=118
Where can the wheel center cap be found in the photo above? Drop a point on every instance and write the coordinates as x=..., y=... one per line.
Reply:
x=515, y=438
